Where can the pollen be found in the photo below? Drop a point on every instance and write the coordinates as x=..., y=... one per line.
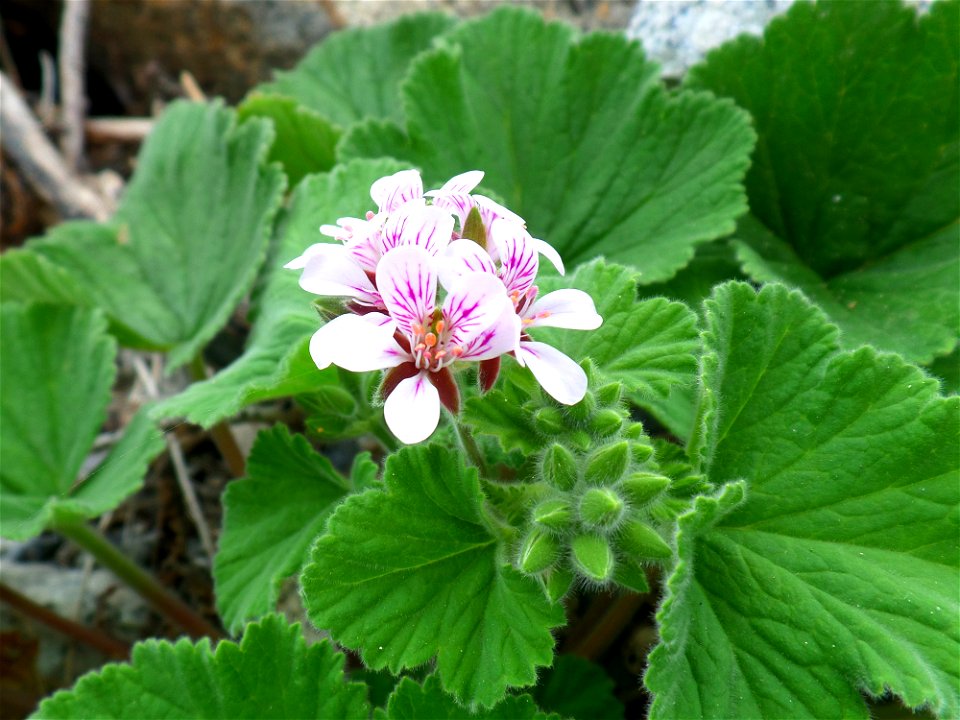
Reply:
x=430, y=340
x=440, y=326
x=370, y=215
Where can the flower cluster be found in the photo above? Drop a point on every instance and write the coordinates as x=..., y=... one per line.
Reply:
x=433, y=280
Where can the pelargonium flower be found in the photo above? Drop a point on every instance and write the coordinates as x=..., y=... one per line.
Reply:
x=417, y=341
x=569, y=308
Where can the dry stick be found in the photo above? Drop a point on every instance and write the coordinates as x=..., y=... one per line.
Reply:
x=41, y=164
x=94, y=638
x=220, y=433
x=191, y=87
x=128, y=571
x=73, y=31
x=111, y=129
x=180, y=470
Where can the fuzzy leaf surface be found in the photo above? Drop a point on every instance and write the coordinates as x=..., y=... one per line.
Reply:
x=576, y=135
x=411, y=571
x=186, y=242
x=304, y=140
x=412, y=701
x=356, y=74
x=649, y=345
x=270, y=519
x=271, y=673
x=826, y=564
x=855, y=187
x=276, y=361
x=56, y=386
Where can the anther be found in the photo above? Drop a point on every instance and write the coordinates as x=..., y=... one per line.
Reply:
x=370, y=215
x=430, y=340
x=440, y=326
x=419, y=347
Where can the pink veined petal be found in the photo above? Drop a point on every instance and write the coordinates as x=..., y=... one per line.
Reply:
x=366, y=252
x=407, y=281
x=519, y=261
x=489, y=210
x=462, y=183
x=473, y=304
x=393, y=191
x=463, y=256
x=459, y=204
x=567, y=308
x=300, y=262
x=501, y=337
x=427, y=227
x=331, y=270
x=561, y=377
x=358, y=343
x=412, y=410
x=549, y=252
x=347, y=228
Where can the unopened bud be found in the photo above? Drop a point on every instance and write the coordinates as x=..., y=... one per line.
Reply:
x=634, y=431
x=549, y=421
x=608, y=464
x=580, y=440
x=641, y=487
x=641, y=542
x=631, y=576
x=593, y=557
x=606, y=422
x=538, y=551
x=558, y=467
x=601, y=508
x=641, y=451
x=610, y=393
x=473, y=228
x=553, y=514
x=582, y=411
x=556, y=583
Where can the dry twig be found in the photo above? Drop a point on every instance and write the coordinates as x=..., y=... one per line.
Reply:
x=28, y=146
x=73, y=31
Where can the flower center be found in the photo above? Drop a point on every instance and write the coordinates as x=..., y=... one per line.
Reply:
x=431, y=346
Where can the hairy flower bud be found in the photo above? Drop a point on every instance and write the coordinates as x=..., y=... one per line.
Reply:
x=608, y=464
x=642, y=487
x=640, y=541
x=601, y=508
x=538, y=551
x=606, y=422
x=556, y=583
x=558, y=467
x=610, y=393
x=549, y=421
x=553, y=514
x=593, y=557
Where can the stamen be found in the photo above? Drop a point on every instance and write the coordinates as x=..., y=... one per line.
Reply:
x=417, y=328
x=456, y=351
x=544, y=314
x=440, y=353
x=370, y=215
x=419, y=347
x=430, y=340
x=440, y=326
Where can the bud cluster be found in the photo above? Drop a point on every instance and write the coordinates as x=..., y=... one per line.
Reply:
x=594, y=518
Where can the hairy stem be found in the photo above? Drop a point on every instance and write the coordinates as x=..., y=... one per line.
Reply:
x=94, y=638
x=471, y=448
x=110, y=557
x=220, y=433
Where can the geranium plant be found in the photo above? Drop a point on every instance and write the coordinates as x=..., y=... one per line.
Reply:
x=606, y=336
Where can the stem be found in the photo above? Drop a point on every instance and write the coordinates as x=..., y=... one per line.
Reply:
x=94, y=638
x=154, y=593
x=379, y=429
x=471, y=448
x=220, y=433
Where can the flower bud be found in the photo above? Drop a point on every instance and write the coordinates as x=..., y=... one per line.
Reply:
x=631, y=576
x=559, y=468
x=640, y=541
x=538, y=551
x=556, y=583
x=580, y=440
x=549, y=421
x=608, y=464
x=641, y=451
x=634, y=431
x=593, y=557
x=610, y=394
x=601, y=508
x=606, y=422
x=473, y=228
x=642, y=487
x=582, y=411
x=553, y=514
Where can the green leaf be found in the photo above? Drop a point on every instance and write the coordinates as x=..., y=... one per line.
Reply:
x=509, y=421
x=650, y=346
x=270, y=519
x=412, y=701
x=577, y=688
x=827, y=563
x=854, y=188
x=276, y=361
x=356, y=74
x=56, y=386
x=270, y=674
x=577, y=136
x=412, y=571
x=186, y=243
x=304, y=140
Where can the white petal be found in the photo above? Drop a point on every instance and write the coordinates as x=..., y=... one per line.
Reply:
x=459, y=204
x=407, y=281
x=332, y=270
x=490, y=210
x=463, y=256
x=412, y=411
x=550, y=253
x=420, y=226
x=300, y=261
x=501, y=337
x=357, y=343
x=473, y=304
x=567, y=308
x=560, y=376
x=518, y=258
x=392, y=192
x=462, y=183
